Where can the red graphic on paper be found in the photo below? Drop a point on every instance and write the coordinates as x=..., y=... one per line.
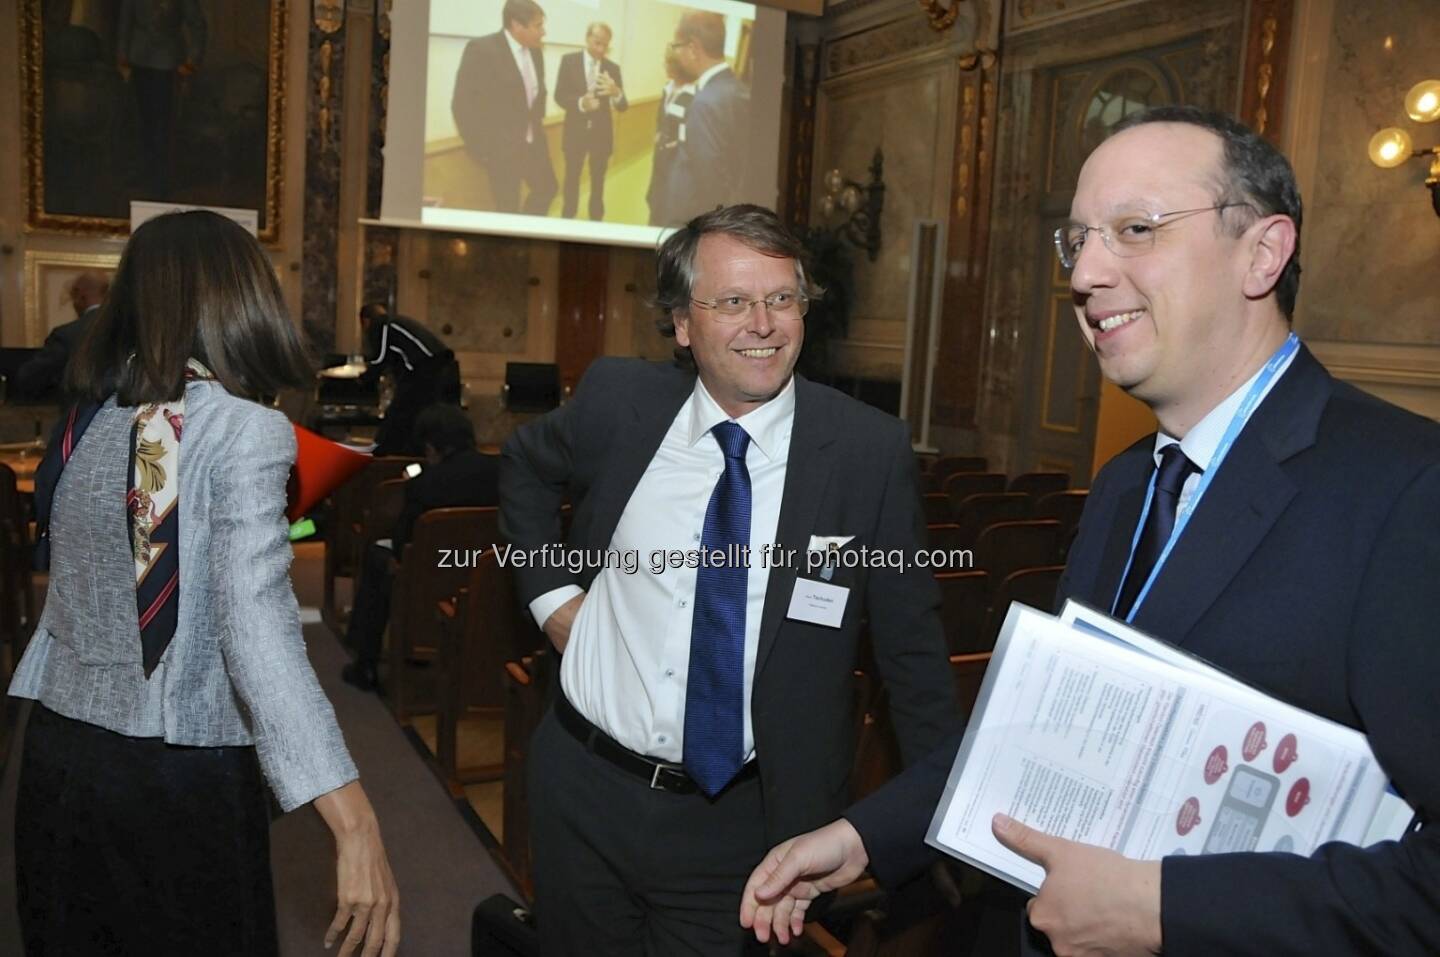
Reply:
x=1298, y=798
x=1254, y=741
x=1189, y=816
x=1217, y=764
x=1286, y=753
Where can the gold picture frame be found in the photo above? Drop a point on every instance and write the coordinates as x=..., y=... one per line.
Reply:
x=48, y=276
x=205, y=123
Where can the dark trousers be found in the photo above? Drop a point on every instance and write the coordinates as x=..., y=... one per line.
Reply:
x=371, y=611
x=621, y=869
x=130, y=846
x=574, y=160
x=530, y=164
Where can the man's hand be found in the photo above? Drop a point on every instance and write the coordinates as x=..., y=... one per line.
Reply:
x=1094, y=902
x=605, y=85
x=589, y=103
x=795, y=873
x=557, y=626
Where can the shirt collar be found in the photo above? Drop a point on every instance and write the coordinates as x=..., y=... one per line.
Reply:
x=767, y=426
x=710, y=74
x=515, y=48
x=588, y=61
x=1201, y=442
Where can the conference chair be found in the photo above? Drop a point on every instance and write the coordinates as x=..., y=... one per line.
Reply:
x=481, y=629
x=983, y=509
x=1039, y=484
x=950, y=464
x=347, y=514
x=962, y=485
x=529, y=685
x=937, y=508
x=1007, y=547
x=428, y=573
x=964, y=603
x=1035, y=587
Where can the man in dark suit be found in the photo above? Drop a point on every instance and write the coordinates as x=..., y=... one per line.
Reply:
x=710, y=163
x=675, y=100
x=455, y=475
x=1307, y=564
x=499, y=109
x=46, y=370
x=707, y=693
x=588, y=87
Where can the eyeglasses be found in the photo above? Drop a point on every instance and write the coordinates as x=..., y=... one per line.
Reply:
x=786, y=304
x=1127, y=236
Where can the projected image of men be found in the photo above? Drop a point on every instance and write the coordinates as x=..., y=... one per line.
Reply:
x=499, y=109
x=675, y=100
x=588, y=87
x=709, y=166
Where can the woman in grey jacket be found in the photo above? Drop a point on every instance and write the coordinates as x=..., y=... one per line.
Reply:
x=169, y=674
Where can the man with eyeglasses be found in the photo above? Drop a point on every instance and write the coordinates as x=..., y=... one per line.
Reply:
x=1281, y=524
x=588, y=87
x=709, y=167
x=499, y=109
x=705, y=704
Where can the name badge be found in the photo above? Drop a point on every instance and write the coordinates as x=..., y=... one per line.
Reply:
x=818, y=603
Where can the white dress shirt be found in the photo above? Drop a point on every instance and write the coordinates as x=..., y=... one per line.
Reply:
x=525, y=63
x=628, y=659
x=710, y=74
x=592, y=74
x=1202, y=441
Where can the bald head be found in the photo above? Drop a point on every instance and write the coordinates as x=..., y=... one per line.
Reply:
x=88, y=290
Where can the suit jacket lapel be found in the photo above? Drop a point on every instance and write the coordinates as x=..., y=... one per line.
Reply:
x=807, y=473
x=639, y=430
x=1242, y=503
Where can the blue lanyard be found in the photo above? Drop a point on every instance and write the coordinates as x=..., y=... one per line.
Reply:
x=1242, y=415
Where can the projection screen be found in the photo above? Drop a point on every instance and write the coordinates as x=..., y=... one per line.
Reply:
x=678, y=113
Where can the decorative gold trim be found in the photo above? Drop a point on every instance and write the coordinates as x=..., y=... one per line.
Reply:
x=329, y=15
x=1267, y=46
x=35, y=263
x=33, y=124
x=940, y=16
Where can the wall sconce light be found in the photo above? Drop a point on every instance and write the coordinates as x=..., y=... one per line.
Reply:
x=1392, y=146
x=862, y=203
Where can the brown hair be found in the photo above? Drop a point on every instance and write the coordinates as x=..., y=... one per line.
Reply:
x=191, y=284
x=755, y=226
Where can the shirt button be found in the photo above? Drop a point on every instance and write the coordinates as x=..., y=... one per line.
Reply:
x=661, y=738
x=669, y=672
x=695, y=537
x=682, y=603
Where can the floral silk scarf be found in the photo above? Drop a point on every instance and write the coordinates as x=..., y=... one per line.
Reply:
x=153, y=505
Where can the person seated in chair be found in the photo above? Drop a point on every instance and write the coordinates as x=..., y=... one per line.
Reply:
x=455, y=475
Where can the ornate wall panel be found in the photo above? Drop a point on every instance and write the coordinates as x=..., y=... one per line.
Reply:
x=1371, y=241
x=322, y=174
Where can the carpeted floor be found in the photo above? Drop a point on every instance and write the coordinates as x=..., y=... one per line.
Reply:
x=441, y=865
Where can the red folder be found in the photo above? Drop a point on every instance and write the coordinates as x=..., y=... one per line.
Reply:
x=321, y=466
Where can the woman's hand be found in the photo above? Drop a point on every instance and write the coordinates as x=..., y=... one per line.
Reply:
x=368, y=900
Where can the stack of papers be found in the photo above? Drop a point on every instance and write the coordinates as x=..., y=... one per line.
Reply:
x=1092, y=731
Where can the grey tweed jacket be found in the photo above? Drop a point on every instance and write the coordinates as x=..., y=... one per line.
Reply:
x=236, y=672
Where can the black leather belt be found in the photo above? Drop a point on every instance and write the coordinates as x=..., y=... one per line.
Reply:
x=660, y=775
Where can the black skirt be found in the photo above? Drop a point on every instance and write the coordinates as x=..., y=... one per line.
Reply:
x=132, y=846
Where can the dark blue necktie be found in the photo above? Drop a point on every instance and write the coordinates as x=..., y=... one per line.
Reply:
x=1170, y=478
x=715, y=689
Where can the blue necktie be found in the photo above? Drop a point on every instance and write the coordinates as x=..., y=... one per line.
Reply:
x=1170, y=478
x=715, y=690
